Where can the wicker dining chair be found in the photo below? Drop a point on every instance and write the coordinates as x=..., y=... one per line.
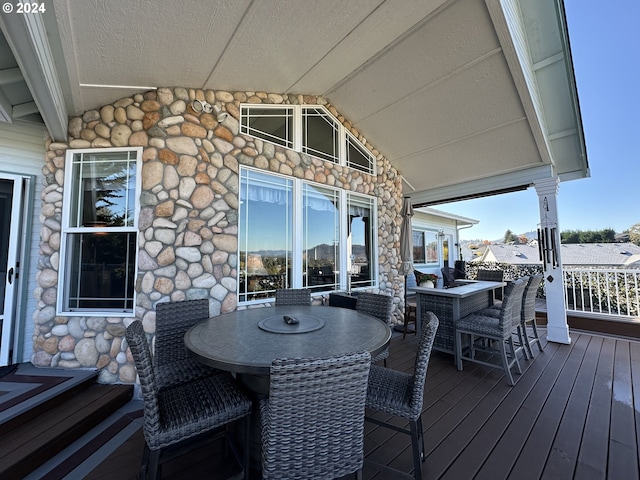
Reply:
x=379, y=306
x=170, y=359
x=491, y=333
x=492, y=276
x=177, y=413
x=528, y=317
x=410, y=305
x=313, y=419
x=393, y=392
x=293, y=296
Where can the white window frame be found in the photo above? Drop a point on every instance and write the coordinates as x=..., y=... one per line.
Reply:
x=424, y=232
x=66, y=230
x=298, y=247
x=298, y=111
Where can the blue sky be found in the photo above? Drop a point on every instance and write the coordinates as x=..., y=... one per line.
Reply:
x=605, y=45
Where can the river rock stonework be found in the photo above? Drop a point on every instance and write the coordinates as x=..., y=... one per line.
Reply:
x=188, y=221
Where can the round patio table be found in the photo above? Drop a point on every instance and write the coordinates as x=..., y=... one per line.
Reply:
x=247, y=341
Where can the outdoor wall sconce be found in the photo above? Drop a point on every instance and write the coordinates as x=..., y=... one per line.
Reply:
x=200, y=106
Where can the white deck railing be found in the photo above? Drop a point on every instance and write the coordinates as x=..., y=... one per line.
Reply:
x=602, y=291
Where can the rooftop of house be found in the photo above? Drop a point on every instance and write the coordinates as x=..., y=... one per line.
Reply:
x=578, y=254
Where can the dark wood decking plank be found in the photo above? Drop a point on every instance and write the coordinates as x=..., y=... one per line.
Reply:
x=623, y=449
x=482, y=437
x=594, y=449
x=634, y=348
x=538, y=423
x=564, y=452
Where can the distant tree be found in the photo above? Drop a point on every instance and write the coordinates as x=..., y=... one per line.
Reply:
x=606, y=235
x=634, y=234
x=509, y=237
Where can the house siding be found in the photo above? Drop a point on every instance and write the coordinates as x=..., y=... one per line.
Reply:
x=188, y=223
x=22, y=151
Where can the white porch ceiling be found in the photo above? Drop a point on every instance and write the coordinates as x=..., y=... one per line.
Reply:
x=464, y=97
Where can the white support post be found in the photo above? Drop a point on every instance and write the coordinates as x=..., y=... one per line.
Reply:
x=557, y=327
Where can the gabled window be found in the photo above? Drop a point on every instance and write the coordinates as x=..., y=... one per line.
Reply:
x=320, y=134
x=99, y=232
x=359, y=157
x=310, y=129
x=274, y=125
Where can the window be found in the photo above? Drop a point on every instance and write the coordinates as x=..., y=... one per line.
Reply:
x=265, y=238
x=321, y=238
x=320, y=134
x=99, y=231
x=310, y=129
x=358, y=156
x=333, y=232
x=425, y=247
x=360, y=241
x=274, y=125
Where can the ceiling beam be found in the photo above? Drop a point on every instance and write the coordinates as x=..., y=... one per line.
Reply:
x=27, y=38
x=10, y=75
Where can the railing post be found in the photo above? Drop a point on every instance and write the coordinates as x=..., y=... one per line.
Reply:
x=557, y=327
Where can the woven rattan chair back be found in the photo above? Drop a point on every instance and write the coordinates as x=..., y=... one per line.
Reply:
x=180, y=412
x=170, y=358
x=313, y=420
x=494, y=331
x=293, y=296
x=393, y=392
x=375, y=304
x=137, y=341
x=379, y=306
x=510, y=309
x=490, y=275
x=528, y=317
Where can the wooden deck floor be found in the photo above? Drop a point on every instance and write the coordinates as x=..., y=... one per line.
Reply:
x=571, y=414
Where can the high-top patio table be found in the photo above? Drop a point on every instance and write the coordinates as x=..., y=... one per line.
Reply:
x=451, y=304
x=245, y=342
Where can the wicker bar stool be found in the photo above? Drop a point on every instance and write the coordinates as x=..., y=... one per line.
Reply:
x=397, y=393
x=293, y=296
x=183, y=411
x=313, y=419
x=170, y=359
x=381, y=307
x=491, y=334
x=529, y=314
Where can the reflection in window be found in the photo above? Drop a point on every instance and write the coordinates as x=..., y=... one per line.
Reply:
x=274, y=125
x=358, y=156
x=425, y=247
x=99, y=233
x=360, y=242
x=310, y=129
x=418, y=247
x=320, y=134
x=321, y=238
x=265, y=240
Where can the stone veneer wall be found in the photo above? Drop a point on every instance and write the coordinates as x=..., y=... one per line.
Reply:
x=188, y=222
